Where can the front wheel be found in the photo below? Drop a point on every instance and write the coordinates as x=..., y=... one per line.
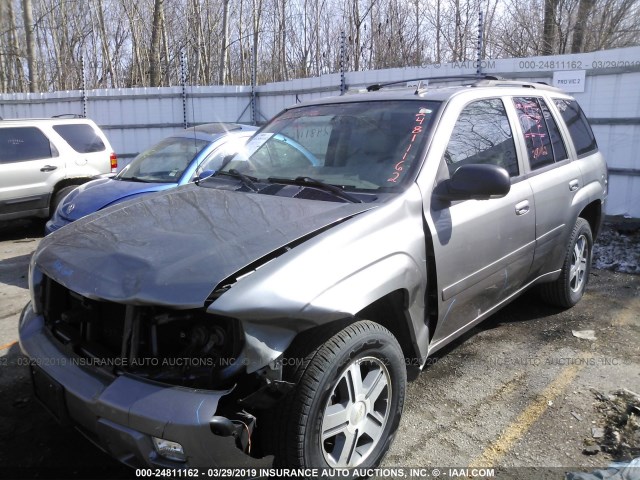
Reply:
x=59, y=197
x=347, y=405
x=567, y=290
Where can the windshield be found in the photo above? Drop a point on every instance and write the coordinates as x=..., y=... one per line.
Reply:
x=165, y=162
x=357, y=146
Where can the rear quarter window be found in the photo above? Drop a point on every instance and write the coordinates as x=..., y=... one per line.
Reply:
x=541, y=135
x=20, y=144
x=82, y=137
x=578, y=125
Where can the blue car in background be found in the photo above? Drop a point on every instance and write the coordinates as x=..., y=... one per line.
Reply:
x=174, y=161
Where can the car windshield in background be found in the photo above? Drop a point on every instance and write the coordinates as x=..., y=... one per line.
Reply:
x=356, y=146
x=165, y=162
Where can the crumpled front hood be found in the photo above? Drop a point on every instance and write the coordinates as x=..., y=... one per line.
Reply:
x=97, y=194
x=174, y=248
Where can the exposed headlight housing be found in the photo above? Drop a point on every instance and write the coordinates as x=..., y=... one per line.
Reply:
x=36, y=283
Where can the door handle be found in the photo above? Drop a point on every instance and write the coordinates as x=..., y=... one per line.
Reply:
x=574, y=185
x=48, y=168
x=522, y=207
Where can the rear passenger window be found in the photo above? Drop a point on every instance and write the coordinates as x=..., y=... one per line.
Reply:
x=541, y=134
x=82, y=137
x=579, y=127
x=559, y=150
x=20, y=144
x=482, y=134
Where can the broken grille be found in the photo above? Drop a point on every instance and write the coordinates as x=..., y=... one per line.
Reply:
x=184, y=347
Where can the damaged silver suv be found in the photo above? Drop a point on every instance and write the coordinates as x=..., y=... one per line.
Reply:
x=278, y=306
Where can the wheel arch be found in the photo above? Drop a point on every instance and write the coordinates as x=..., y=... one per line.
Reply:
x=592, y=213
x=64, y=183
x=390, y=311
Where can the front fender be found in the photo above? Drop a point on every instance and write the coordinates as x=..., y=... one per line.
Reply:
x=398, y=271
x=266, y=341
x=331, y=277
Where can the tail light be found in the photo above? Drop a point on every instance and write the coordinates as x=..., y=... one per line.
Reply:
x=114, y=162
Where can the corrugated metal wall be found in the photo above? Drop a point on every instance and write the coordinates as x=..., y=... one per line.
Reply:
x=135, y=118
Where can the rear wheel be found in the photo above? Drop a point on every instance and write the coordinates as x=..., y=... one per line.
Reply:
x=568, y=289
x=347, y=405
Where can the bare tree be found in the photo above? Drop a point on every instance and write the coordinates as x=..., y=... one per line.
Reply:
x=519, y=30
x=257, y=16
x=549, y=29
x=616, y=23
x=27, y=12
x=12, y=71
x=222, y=59
x=106, y=54
x=140, y=43
x=282, y=50
x=156, y=35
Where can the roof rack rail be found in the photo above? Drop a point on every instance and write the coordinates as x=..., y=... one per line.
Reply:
x=377, y=86
x=516, y=83
x=68, y=115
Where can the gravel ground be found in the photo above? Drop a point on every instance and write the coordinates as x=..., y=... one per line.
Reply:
x=618, y=247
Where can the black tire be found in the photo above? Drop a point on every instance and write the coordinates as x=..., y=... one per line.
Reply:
x=568, y=289
x=58, y=197
x=324, y=379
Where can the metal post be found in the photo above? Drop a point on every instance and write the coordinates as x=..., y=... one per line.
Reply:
x=254, y=120
x=83, y=88
x=480, y=35
x=183, y=80
x=343, y=83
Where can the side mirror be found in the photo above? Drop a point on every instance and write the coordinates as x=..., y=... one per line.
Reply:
x=205, y=174
x=475, y=181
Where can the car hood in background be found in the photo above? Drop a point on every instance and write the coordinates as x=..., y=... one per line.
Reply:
x=174, y=248
x=92, y=196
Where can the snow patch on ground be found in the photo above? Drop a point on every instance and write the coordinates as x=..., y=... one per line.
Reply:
x=618, y=250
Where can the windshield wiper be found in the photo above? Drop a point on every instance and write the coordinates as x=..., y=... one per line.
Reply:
x=245, y=179
x=319, y=184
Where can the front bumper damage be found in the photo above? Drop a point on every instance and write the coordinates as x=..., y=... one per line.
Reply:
x=121, y=414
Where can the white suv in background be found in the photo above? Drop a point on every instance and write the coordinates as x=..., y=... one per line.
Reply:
x=42, y=160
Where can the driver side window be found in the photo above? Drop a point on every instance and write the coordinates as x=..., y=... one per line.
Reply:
x=482, y=135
